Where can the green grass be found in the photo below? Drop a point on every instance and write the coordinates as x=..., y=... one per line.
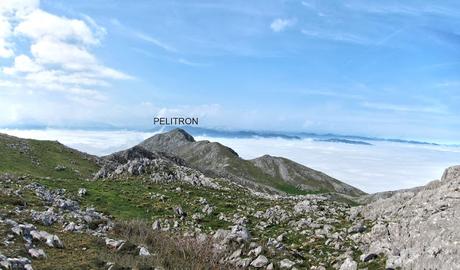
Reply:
x=130, y=199
x=40, y=158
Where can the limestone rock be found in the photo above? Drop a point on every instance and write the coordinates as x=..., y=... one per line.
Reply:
x=37, y=253
x=286, y=264
x=349, y=264
x=143, y=251
x=260, y=261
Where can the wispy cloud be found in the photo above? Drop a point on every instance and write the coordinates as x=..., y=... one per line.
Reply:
x=129, y=31
x=336, y=36
x=401, y=8
x=154, y=41
x=191, y=63
x=448, y=84
x=435, y=109
x=279, y=24
x=336, y=94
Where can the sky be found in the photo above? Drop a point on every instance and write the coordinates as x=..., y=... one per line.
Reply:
x=375, y=68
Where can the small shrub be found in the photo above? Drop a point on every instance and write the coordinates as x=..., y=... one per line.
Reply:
x=169, y=250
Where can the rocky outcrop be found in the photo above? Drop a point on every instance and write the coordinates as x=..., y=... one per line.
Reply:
x=157, y=167
x=21, y=263
x=67, y=212
x=416, y=229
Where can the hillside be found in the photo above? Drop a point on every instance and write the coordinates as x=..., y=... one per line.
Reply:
x=269, y=174
x=147, y=210
x=44, y=158
x=301, y=176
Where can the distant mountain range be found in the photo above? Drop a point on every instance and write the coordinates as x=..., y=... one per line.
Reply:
x=243, y=134
x=327, y=137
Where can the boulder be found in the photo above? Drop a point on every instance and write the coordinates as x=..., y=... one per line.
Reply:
x=37, y=253
x=286, y=264
x=259, y=262
x=114, y=244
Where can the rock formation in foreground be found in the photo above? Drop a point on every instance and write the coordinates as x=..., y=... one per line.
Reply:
x=416, y=229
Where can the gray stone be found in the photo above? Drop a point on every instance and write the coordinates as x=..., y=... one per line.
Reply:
x=114, y=244
x=156, y=226
x=260, y=261
x=286, y=264
x=235, y=255
x=349, y=264
x=256, y=251
x=239, y=234
x=143, y=251
x=47, y=217
x=37, y=253
x=82, y=192
x=243, y=262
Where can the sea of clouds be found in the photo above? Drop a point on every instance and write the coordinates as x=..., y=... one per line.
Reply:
x=372, y=168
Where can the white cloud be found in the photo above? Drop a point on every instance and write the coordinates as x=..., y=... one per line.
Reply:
x=6, y=50
x=18, y=8
x=279, y=24
x=8, y=84
x=22, y=63
x=55, y=79
x=40, y=24
x=70, y=56
x=11, y=11
x=59, y=58
x=371, y=168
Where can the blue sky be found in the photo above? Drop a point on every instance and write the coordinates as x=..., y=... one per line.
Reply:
x=376, y=68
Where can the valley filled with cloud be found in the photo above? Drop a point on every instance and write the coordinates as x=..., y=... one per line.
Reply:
x=381, y=166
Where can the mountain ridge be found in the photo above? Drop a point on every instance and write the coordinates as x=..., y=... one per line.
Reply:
x=215, y=159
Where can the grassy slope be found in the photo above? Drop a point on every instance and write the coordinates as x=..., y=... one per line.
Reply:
x=40, y=158
x=246, y=169
x=130, y=199
x=123, y=199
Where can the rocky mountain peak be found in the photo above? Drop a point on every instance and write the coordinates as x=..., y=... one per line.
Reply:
x=168, y=142
x=179, y=134
x=451, y=173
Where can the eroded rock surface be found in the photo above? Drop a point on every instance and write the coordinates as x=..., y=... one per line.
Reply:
x=417, y=229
